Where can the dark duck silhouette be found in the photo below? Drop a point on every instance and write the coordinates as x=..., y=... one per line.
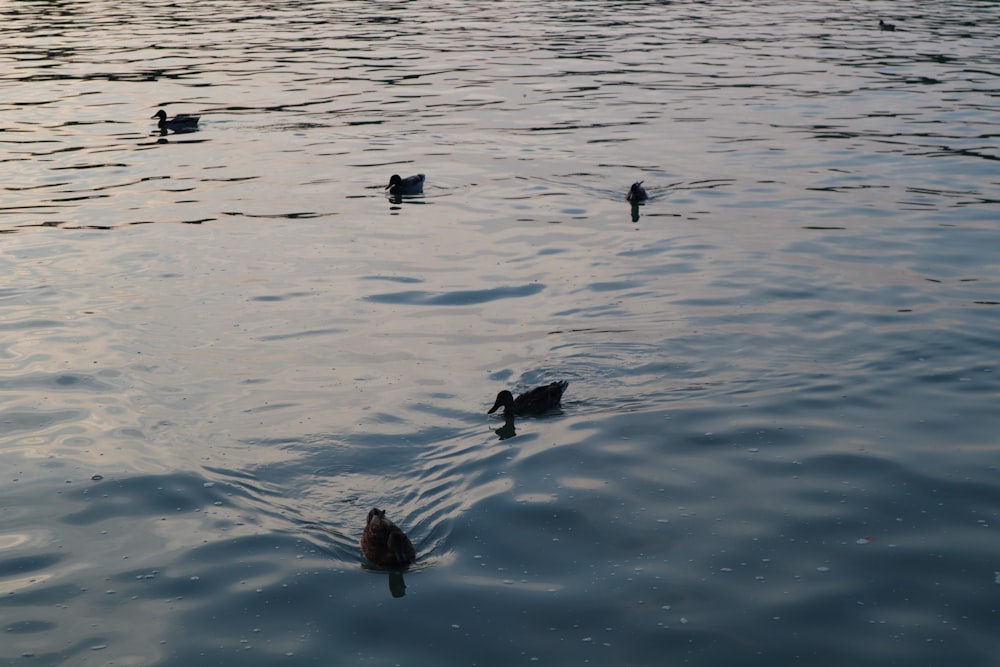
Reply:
x=882, y=25
x=384, y=543
x=179, y=123
x=533, y=402
x=411, y=185
x=637, y=193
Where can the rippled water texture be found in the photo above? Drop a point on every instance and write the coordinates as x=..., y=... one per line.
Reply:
x=219, y=349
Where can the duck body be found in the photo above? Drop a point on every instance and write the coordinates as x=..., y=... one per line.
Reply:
x=637, y=193
x=178, y=123
x=411, y=185
x=533, y=402
x=384, y=543
x=882, y=25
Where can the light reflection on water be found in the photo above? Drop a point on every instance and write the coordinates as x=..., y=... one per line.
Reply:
x=780, y=426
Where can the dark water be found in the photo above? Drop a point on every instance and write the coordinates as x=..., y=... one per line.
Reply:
x=220, y=349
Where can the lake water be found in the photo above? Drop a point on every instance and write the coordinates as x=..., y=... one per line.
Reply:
x=219, y=349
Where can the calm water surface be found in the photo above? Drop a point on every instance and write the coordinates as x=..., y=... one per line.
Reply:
x=219, y=349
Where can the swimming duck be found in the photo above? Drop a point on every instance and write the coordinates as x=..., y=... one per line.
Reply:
x=384, y=544
x=533, y=402
x=411, y=185
x=882, y=25
x=178, y=123
x=637, y=193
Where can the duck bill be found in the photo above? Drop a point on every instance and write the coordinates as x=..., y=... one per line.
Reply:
x=496, y=406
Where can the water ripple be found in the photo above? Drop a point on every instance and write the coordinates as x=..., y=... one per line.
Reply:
x=457, y=297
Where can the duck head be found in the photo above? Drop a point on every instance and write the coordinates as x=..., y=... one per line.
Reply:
x=505, y=400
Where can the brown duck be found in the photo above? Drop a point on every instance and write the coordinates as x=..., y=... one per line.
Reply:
x=182, y=122
x=384, y=543
x=637, y=193
x=533, y=402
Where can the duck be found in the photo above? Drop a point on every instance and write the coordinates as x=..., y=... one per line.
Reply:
x=533, y=402
x=637, y=193
x=882, y=25
x=411, y=185
x=384, y=543
x=178, y=123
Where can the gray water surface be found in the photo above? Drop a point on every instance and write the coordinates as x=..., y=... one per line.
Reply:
x=219, y=349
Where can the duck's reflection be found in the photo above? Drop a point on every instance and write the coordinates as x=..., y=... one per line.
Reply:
x=507, y=430
x=635, y=211
x=163, y=131
x=397, y=587
x=398, y=201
